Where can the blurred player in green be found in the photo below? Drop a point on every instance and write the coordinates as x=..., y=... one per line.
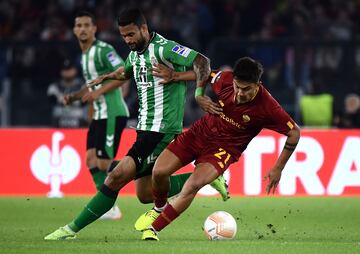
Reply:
x=110, y=111
x=159, y=121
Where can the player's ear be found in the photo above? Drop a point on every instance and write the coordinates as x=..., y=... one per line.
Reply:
x=144, y=28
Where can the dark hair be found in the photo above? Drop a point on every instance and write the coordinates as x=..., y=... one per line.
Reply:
x=67, y=64
x=131, y=15
x=86, y=14
x=248, y=70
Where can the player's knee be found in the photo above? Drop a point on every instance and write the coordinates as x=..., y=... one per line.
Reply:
x=159, y=173
x=90, y=162
x=103, y=164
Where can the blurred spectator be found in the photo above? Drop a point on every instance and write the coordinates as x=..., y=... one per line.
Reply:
x=71, y=116
x=350, y=117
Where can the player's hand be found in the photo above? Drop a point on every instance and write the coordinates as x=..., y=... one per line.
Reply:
x=273, y=176
x=96, y=81
x=90, y=97
x=208, y=105
x=68, y=99
x=163, y=72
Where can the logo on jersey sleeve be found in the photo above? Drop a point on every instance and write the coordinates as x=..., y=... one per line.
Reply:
x=290, y=125
x=181, y=50
x=113, y=58
x=246, y=118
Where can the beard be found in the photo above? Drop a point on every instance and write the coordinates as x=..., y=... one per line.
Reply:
x=139, y=45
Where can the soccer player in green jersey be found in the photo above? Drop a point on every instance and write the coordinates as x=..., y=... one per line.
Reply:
x=160, y=117
x=110, y=110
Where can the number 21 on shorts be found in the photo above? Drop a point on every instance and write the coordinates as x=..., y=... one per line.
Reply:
x=223, y=156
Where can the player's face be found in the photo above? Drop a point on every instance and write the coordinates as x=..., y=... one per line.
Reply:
x=244, y=91
x=134, y=36
x=84, y=29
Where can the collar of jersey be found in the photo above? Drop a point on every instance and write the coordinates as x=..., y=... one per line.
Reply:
x=152, y=36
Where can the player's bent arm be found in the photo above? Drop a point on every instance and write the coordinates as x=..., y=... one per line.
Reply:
x=274, y=174
x=202, y=70
x=70, y=98
x=118, y=74
x=111, y=85
x=292, y=140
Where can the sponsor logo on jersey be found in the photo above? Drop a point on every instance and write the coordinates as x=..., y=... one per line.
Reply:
x=113, y=58
x=181, y=50
x=231, y=121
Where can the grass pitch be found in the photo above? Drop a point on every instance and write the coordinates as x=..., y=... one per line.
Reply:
x=265, y=225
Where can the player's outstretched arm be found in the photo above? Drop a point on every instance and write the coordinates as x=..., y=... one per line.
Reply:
x=202, y=70
x=70, y=98
x=274, y=174
x=118, y=74
x=94, y=95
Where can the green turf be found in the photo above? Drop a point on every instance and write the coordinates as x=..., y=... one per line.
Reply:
x=300, y=225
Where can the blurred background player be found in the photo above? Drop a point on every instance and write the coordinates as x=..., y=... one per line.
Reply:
x=216, y=141
x=160, y=117
x=71, y=116
x=110, y=111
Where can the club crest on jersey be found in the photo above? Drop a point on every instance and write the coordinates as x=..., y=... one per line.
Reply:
x=113, y=58
x=153, y=61
x=246, y=118
x=181, y=50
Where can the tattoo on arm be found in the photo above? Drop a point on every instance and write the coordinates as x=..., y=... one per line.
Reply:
x=202, y=69
x=290, y=146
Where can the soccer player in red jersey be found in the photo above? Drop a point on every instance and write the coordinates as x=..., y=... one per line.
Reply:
x=217, y=140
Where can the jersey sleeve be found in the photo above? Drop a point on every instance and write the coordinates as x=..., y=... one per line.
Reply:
x=278, y=120
x=128, y=66
x=178, y=54
x=216, y=81
x=111, y=59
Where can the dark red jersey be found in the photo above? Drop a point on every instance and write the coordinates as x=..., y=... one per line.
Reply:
x=239, y=123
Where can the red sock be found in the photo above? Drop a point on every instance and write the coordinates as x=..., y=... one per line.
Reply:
x=160, y=199
x=165, y=218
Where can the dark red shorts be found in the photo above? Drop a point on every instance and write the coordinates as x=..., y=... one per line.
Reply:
x=190, y=146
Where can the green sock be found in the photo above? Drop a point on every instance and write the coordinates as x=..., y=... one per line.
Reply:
x=98, y=177
x=104, y=199
x=177, y=182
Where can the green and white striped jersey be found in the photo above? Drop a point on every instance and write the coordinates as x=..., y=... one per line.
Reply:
x=161, y=106
x=99, y=59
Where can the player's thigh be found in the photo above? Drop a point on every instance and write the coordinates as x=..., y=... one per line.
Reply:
x=103, y=164
x=166, y=164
